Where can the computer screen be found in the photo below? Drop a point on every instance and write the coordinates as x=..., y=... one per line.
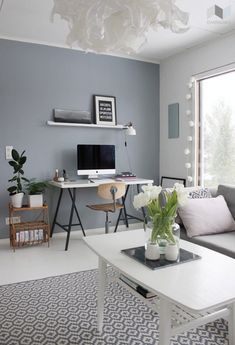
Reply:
x=95, y=159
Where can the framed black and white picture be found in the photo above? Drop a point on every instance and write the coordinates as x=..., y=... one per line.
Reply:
x=105, y=110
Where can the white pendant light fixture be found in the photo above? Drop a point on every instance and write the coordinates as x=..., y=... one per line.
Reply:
x=106, y=26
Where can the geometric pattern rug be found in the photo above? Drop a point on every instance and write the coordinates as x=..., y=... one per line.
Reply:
x=62, y=311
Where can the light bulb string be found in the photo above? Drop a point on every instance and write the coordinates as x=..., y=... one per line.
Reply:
x=188, y=151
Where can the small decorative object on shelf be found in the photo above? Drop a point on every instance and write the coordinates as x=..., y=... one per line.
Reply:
x=161, y=229
x=27, y=232
x=56, y=176
x=72, y=116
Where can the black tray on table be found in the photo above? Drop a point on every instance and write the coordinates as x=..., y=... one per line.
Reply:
x=138, y=254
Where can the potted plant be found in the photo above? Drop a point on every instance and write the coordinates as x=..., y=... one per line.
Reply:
x=161, y=225
x=35, y=191
x=16, y=190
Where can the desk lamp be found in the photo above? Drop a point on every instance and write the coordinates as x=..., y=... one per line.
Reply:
x=129, y=130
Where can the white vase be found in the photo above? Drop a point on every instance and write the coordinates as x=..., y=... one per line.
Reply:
x=17, y=200
x=152, y=251
x=172, y=252
x=35, y=200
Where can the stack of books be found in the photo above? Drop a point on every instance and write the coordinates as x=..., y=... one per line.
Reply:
x=135, y=286
x=125, y=175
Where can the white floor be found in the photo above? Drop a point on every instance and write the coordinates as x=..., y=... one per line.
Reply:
x=37, y=262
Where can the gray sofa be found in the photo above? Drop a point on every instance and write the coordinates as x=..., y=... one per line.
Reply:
x=223, y=242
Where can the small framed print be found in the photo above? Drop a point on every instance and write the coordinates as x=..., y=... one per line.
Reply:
x=105, y=110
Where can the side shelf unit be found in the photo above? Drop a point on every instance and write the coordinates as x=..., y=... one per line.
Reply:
x=27, y=233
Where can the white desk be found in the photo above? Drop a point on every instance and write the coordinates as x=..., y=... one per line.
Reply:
x=189, y=294
x=73, y=186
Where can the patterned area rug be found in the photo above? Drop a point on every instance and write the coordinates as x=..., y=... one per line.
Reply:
x=62, y=311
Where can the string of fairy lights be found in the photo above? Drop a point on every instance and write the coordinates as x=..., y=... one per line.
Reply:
x=188, y=151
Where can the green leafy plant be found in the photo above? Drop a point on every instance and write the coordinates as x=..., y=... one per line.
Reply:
x=36, y=187
x=17, y=162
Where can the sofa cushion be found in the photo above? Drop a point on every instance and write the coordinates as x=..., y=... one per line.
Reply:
x=222, y=243
x=206, y=216
x=228, y=192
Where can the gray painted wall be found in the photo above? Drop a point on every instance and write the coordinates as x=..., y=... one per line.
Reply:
x=175, y=73
x=34, y=79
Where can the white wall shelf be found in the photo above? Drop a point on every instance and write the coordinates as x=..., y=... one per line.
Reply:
x=90, y=125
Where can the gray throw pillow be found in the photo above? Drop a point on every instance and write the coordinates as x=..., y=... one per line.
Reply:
x=228, y=192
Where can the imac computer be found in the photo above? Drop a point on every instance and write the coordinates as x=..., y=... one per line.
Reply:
x=95, y=160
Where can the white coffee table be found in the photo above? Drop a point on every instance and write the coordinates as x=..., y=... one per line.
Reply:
x=189, y=294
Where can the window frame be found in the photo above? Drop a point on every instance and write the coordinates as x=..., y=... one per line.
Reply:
x=198, y=140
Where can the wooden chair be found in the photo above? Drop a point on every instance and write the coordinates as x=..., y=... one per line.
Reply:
x=109, y=191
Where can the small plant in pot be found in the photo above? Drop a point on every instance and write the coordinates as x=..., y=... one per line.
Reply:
x=16, y=190
x=35, y=191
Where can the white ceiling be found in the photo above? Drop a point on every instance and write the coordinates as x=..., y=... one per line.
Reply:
x=29, y=21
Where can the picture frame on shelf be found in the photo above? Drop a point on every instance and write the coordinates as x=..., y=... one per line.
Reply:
x=105, y=110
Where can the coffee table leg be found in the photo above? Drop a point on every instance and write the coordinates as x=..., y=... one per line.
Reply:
x=231, y=325
x=164, y=322
x=101, y=292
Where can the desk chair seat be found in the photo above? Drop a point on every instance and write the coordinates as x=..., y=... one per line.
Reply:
x=109, y=191
x=105, y=207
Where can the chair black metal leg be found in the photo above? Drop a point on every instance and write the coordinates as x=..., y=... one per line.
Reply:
x=106, y=222
x=56, y=212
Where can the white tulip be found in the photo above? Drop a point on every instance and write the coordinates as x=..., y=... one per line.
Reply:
x=182, y=195
x=153, y=191
x=141, y=200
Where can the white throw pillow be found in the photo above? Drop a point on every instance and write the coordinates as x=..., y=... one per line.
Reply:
x=206, y=216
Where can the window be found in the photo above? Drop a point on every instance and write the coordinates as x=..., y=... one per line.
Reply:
x=217, y=129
